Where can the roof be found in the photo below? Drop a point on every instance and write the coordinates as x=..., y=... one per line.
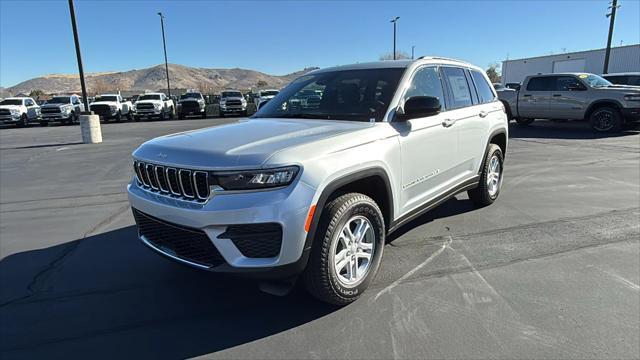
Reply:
x=636, y=73
x=387, y=64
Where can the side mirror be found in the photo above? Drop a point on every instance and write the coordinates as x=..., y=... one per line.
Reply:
x=418, y=107
x=576, y=87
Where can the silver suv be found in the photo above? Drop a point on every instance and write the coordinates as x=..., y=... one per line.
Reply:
x=313, y=190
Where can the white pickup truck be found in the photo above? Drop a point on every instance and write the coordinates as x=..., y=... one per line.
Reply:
x=19, y=111
x=153, y=105
x=111, y=106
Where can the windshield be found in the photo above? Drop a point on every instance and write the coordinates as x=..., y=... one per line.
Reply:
x=11, y=102
x=226, y=94
x=269, y=93
x=595, y=80
x=191, y=96
x=106, y=98
x=356, y=95
x=149, y=97
x=59, y=100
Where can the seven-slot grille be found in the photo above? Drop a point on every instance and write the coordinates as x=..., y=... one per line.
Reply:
x=185, y=243
x=190, y=106
x=191, y=185
x=5, y=112
x=50, y=110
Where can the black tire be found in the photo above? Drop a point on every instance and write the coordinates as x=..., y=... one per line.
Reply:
x=524, y=121
x=118, y=117
x=74, y=118
x=136, y=118
x=180, y=116
x=319, y=277
x=606, y=120
x=129, y=116
x=221, y=114
x=204, y=114
x=482, y=195
x=24, y=121
x=244, y=113
x=44, y=123
x=172, y=115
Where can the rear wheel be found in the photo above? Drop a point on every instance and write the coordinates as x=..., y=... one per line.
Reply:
x=490, y=179
x=347, y=249
x=606, y=119
x=524, y=121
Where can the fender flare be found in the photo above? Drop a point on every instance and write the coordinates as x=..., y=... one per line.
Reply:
x=486, y=148
x=599, y=102
x=338, y=183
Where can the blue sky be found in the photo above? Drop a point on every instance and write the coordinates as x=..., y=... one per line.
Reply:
x=280, y=37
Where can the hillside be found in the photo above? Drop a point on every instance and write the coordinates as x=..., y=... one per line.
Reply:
x=153, y=78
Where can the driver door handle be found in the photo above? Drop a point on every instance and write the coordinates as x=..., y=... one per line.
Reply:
x=483, y=114
x=448, y=122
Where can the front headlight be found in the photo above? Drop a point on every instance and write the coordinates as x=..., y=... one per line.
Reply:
x=65, y=109
x=15, y=112
x=157, y=106
x=113, y=107
x=632, y=97
x=256, y=179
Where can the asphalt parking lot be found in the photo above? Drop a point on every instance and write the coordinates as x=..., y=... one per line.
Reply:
x=551, y=270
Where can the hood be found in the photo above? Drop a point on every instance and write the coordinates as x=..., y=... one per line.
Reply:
x=104, y=103
x=232, y=98
x=620, y=87
x=148, y=101
x=11, y=107
x=243, y=144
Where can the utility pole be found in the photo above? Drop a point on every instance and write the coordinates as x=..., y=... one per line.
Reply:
x=394, y=21
x=72, y=12
x=612, y=15
x=166, y=63
x=413, y=47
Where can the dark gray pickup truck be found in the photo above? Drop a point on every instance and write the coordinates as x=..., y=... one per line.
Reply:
x=573, y=96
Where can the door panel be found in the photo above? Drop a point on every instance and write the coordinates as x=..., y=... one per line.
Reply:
x=533, y=100
x=428, y=145
x=566, y=103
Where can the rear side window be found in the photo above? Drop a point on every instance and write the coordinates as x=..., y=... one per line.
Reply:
x=545, y=83
x=457, y=87
x=426, y=82
x=485, y=94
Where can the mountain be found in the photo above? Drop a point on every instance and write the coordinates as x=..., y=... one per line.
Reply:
x=153, y=78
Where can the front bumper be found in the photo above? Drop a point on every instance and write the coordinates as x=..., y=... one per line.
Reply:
x=234, y=108
x=9, y=119
x=54, y=116
x=287, y=207
x=631, y=114
x=148, y=112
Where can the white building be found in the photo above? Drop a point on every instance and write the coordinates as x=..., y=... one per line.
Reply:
x=622, y=59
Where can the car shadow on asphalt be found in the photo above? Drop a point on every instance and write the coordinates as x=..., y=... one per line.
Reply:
x=571, y=130
x=109, y=295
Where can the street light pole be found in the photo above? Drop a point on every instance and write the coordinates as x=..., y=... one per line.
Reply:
x=72, y=12
x=394, y=21
x=164, y=44
x=413, y=47
x=612, y=15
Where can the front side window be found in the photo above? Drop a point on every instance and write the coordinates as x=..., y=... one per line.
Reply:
x=457, y=87
x=566, y=83
x=354, y=95
x=426, y=82
x=29, y=102
x=485, y=94
x=545, y=83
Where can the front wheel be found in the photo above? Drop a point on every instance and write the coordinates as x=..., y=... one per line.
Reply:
x=171, y=114
x=347, y=249
x=606, y=120
x=23, y=121
x=118, y=116
x=490, y=179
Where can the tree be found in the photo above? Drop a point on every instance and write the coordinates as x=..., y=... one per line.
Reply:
x=261, y=83
x=493, y=72
x=37, y=94
x=399, y=55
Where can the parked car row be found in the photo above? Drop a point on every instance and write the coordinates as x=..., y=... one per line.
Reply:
x=573, y=96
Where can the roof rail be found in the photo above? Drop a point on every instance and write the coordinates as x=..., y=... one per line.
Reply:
x=436, y=58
